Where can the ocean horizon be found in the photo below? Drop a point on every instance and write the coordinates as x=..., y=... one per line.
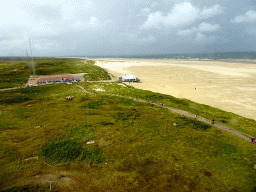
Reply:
x=227, y=56
x=242, y=56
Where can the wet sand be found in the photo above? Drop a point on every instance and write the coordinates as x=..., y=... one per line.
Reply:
x=230, y=86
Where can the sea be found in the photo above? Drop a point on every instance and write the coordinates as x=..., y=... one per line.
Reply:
x=241, y=56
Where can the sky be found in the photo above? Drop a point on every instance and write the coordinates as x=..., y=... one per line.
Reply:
x=127, y=27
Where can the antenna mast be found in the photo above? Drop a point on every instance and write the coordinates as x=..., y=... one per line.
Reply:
x=33, y=64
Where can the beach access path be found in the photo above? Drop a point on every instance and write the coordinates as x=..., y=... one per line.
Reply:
x=243, y=135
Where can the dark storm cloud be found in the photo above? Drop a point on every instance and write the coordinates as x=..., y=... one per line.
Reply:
x=84, y=27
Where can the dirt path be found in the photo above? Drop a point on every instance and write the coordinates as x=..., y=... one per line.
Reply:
x=245, y=136
x=6, y=89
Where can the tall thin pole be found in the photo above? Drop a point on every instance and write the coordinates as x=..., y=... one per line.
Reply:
x=27, y=52
x=28, y=62
x=33, y=65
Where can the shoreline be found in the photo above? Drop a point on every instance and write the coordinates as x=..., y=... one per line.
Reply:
x=167, y=60
x=229, y=86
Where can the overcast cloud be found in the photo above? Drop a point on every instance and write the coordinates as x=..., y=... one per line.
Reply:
x=113, y=27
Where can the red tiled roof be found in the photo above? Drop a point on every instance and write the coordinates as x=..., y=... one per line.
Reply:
x=57, y=78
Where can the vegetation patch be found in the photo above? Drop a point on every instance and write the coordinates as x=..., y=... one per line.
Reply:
x=94, y=104
x=4, y=125
x=241, y=123
x=62, y=151
x=152, y=128
x=95, y=73
x=137, y=147
x=226, y=148
x=126, y=114
x=93, y=156
x=17, y=72
x=184, y=122
x=13, y=74
x=129, y=102
x=30, y=187
x=107, y=123
x=18, y=99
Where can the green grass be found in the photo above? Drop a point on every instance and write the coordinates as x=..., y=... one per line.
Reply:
x=235, y=121
x=13, y=74
x=182, y=121
x=62, y=151
x=95, y=73
x=25, y=188
x=138, y=146
x=16, y=73
x=58, y=66
x=93, y=156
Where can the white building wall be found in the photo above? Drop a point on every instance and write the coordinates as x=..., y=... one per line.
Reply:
x=129, y=78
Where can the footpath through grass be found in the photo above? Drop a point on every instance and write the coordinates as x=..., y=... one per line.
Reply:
x=138, y=146
x=235, y=121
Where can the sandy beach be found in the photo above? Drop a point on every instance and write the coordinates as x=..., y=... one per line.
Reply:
x=226, y=85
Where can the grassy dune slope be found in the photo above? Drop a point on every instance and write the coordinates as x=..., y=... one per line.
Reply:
x=137, y=147
x=226, y=118
x=61, y=66
x=15, y=73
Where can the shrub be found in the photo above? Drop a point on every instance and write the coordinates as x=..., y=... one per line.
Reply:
x=224, y=121
x=6, y=125
x=85, y=98
x=94, y=156
x=107, y=123
x=127, y=114
x=26, y=188
x=183, y=121
x=62, y=151
x=94, y=104
x=18, y=99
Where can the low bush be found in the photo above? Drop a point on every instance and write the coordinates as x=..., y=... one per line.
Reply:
x=62, y=151
x=25, y=188
x=17, y=99
x=184, y=121
x=94, y=104
x=6, y=125
x=94, y=156
x=107, y=123
x=126, y=114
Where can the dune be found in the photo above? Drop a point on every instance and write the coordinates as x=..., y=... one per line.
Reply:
x=229, y=86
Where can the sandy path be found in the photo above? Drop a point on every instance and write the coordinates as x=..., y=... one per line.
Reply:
x=230, y=86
